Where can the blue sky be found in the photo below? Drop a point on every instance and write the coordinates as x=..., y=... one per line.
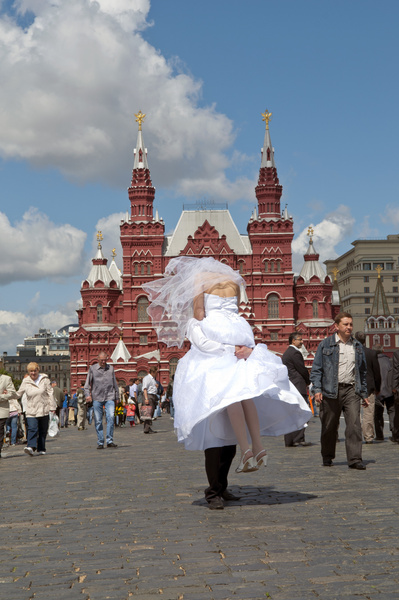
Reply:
x=74, y=73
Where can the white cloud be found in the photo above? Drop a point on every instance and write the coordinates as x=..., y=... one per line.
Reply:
x=35, y=248
x=15, y=326
x=76, y=76
x=391, y=215
x=332, y=230
x=110, y=229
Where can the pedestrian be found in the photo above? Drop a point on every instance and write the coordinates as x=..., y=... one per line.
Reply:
x=13, y=419
x=225, y=386
x=73, y=410
x=386, y=396
x=150, y=388
x=395, y=384
x=82, y=407
x=373, y=379
x=102, y=390
x=58, y=397
x=7, y=393
x=64, y=411
x=39, y=403
x=298, y=376
x=131, y=412
x=339, y=383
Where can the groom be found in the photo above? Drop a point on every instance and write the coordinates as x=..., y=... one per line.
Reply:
x=217, y=465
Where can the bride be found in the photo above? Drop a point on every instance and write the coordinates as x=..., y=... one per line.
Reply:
x=227, y=390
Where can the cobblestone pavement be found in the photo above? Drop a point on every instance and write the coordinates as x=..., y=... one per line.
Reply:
x=132, y=522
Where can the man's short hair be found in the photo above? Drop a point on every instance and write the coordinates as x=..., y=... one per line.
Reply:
x=102, y=353
x=377, y=348
x=342, y=315
x=153, y=370
x=294, y=336
x=54, y=382
x=361, y=337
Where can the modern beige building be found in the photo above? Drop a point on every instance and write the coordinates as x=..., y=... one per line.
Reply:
x=357, y=277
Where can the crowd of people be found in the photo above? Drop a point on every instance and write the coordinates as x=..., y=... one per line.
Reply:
x=227, y=390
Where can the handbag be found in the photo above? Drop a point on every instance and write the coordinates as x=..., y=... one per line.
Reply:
x=53, y=426
x=146, y=412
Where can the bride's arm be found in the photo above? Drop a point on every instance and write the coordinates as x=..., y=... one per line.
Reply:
x=199, y=308
x=203, y=343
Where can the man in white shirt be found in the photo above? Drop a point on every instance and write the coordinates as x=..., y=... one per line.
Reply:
x=150, y=389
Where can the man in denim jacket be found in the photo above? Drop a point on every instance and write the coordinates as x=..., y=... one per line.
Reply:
x=339, y=382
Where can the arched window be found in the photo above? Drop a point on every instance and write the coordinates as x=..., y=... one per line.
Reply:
x=136, y=269
x=387, y=340
x=99, y=313
x=273, y=307
x=315, y=306
x=172, y=366
x=148, y=268
x=241, y=266
x=376, y=339
x=278, y=263
x=271, y=228
x=272, y=266
x=142, y=304
x=142, y=268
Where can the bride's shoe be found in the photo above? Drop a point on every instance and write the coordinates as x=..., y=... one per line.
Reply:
x=247, y=464
x=260, y=460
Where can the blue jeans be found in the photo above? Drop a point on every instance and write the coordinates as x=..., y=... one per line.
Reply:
x=89, y=414
x=37, y=432
x=12, y=425
x=109, y=406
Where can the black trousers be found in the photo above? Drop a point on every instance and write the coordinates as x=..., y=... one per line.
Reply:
x=330, y=411
x=379, y=415
x=296, y=437
x=217, y=465
x=395, y=428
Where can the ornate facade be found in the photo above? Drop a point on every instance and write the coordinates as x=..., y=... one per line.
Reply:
x=114, y=304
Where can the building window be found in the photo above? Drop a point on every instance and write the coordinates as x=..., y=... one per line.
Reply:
x=366, y=290
x=366, y=266
x=274, y=336
x=396, y=311
x=172, y=366
x=99, y=313
x=376, y=339
x=141, y=230
x=271, y=266
x=375, y=265
x=389, y=266
x=266, y=266
x=273, y=307
x=241, y=267
x=396, y=300
x=367, y=300
x=142, y=266
x=148, y=268
x=271, y=228
x=144, y=339
x=366, y=311
x=142, y=304
x=278, y=266
x=394, y=278
x=315, y=306
x=136, y=269
x=395, y=289
x=387, y=340
x=366, y=279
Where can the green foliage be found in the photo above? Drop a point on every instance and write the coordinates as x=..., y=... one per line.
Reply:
x=16, y=382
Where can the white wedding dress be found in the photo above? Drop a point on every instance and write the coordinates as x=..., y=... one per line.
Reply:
x=209, y=378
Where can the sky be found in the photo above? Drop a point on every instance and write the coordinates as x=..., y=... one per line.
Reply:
x=73, y=74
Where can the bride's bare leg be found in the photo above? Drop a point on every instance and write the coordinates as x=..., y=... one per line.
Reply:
x=237, y=419
x=252, y=421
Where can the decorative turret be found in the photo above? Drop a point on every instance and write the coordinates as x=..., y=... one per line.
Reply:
x=141, y=190
x=268, y=191
x=99, y=271
x=311, y=266
x=380, y=303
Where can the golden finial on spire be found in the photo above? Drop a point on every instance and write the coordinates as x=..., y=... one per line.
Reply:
x=379, y=269
x=99, y=238
x=139, y=118
x=335, y=271
x=113, y=253
x=310, y=232
x=267, y=116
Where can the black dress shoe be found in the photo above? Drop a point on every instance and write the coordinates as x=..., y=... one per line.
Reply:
x=291, y=445
x=112, y=445
x=216, y=503
x=358, y=465
x=327, y=462
x=392, y=439
x=100, y=447
x=229, y=497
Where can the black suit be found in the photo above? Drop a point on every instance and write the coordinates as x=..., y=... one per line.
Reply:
x=299, y=376
x=395, y=385
x=373, y=376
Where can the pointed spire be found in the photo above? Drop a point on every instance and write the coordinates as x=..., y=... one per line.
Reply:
x=311, y=265
x=120, y=352
x=115, y=271
x=141, y=191
x=99, y=270
x=268, y=191
x=380, y=302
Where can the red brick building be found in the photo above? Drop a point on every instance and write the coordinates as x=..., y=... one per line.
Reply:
x=114, y=304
